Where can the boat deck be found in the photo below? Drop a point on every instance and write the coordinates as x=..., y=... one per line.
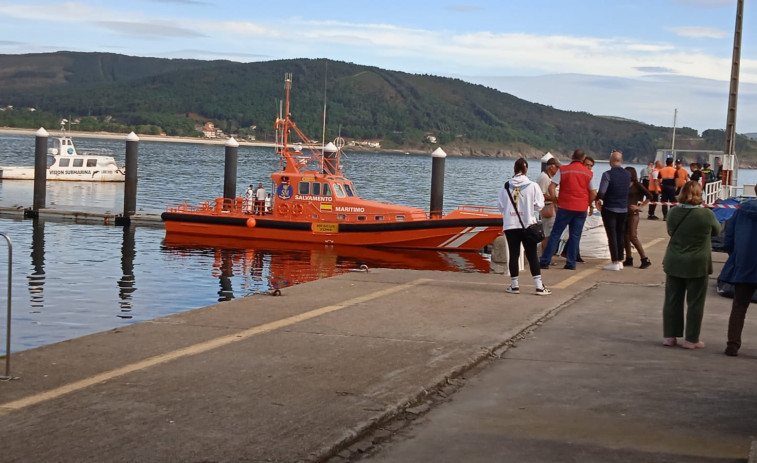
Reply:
x=400, y=365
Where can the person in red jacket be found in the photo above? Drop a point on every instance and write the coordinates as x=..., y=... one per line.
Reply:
x=573, y=201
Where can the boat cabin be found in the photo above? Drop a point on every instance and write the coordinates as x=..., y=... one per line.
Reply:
x=316, y=196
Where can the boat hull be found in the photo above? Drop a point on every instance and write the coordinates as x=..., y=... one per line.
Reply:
x=73, y=175
x=461, y=234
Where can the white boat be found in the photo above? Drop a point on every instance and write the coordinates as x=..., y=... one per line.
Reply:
x=67, y=164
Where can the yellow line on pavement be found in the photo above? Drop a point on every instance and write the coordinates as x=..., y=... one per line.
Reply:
x=574, y=278
x=653, y=242
x=583, y=274
x=200, y=348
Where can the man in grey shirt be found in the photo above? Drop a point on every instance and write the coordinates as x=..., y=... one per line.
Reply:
x=548, y=212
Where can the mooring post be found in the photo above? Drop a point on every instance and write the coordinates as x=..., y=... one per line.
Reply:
x=230, y=170
x=437, y=182
x=40, y=171
x=130, y=185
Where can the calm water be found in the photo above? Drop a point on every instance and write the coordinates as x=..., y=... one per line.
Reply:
x=70, y=280
x=73, y=279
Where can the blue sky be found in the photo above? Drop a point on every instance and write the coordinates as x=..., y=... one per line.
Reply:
x=636, y=59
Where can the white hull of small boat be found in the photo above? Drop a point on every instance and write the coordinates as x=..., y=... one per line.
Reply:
x=75, y=174
x=67, y=164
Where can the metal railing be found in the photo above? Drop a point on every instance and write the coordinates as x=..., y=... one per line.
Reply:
x=8, y=328
x=712, y=192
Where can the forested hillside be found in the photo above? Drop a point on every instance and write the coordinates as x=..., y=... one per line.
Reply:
x=148, y=95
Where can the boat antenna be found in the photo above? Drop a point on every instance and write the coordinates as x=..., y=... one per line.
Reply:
x=323, y=133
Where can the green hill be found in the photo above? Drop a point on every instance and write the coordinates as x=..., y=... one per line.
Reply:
x=149, y=95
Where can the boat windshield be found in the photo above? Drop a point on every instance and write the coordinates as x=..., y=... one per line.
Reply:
x=339, y=190
x=348, y=189
x=314, y=188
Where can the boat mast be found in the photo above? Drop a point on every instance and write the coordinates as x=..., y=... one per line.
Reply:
x=287, y=86
x=733, y=96
x=323, y=131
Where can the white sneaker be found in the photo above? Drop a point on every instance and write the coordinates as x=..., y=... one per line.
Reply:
x=621, y=265
x=612, y=266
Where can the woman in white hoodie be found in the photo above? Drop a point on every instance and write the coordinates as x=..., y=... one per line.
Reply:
x=528, y=200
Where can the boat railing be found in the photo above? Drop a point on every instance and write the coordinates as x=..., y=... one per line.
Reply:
x=96, y=152
x=713, y=191
x=219, y=205
x=483, y=209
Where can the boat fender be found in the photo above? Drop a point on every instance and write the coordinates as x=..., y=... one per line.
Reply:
x=283, y=209
x=251, y=222
x=297, y=209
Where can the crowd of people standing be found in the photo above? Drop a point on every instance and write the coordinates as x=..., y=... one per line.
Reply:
x=563, y=194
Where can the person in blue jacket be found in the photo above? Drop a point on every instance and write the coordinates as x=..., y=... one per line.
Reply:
x=740, y=269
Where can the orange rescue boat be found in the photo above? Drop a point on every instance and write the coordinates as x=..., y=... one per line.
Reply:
x=314, y=203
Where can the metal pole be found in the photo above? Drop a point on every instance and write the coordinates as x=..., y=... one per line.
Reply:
x=437, y=182
x=40, y=169
x=130, y=185
x=230, y=169
x=8, y=328
x=733, y=93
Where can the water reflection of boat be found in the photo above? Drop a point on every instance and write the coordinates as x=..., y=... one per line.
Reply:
x=108, y=195
x=67, y=164
x=317, y=204
x=274, y=264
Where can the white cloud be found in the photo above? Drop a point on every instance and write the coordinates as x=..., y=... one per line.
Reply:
x=701, y=103
x=148, y=31
x=68, y=11
x=700, y=32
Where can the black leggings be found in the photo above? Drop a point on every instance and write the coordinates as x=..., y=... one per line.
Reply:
x=615, y=227
x=514, y=240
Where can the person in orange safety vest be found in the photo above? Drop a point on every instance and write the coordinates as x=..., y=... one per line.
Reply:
x=654, y=188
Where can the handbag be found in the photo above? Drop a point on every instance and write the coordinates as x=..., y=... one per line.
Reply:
x=548, y=211
x=534, y=234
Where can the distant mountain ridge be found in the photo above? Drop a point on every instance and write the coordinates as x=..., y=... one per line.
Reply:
x=114, y=92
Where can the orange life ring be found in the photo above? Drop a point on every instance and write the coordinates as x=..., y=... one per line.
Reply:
x=297, y=209
x=283, y=209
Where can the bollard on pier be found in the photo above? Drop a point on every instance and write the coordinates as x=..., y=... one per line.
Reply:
x=130, y=183
x=230, y=169
x=40, y=173
x=437, y=182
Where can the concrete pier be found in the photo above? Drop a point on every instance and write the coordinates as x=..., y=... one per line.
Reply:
x=400, y=366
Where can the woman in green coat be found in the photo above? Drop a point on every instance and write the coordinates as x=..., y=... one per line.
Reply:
x=687, y=265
